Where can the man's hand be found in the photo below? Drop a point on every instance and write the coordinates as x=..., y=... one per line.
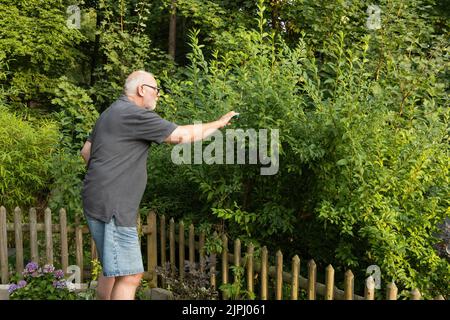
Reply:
x=225, y=119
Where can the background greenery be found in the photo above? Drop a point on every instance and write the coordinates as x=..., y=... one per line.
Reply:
x=363, y=118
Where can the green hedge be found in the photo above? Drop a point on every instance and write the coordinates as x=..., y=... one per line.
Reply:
x=25, y=153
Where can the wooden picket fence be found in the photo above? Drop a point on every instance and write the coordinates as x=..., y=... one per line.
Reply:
x=195, y=249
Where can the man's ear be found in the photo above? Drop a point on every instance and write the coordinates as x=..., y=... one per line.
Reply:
x=140, y=91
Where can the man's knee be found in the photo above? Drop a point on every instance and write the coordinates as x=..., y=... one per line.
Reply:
x=132, y=279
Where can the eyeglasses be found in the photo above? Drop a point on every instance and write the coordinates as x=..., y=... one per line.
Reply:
x=156, y=88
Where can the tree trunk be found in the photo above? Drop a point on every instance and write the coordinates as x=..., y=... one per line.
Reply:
x=96, y=45
x=275, y=13
x=173, y=29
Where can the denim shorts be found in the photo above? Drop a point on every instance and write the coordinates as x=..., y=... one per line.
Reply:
x=118, y=248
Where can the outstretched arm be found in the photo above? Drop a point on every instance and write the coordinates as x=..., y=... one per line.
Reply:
x=196, y=132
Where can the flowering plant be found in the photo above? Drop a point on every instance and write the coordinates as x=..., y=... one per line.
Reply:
x=44, y=283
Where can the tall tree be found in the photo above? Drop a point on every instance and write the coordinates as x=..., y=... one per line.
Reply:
x=173, y=29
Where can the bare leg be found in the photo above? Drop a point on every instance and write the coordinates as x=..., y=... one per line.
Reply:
x=125, y=287
x=104, y=287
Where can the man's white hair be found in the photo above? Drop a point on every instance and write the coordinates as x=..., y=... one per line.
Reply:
x=134, y=80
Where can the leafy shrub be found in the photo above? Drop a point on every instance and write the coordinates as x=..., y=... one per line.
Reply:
x=384, y=181
x=259, y=81
x=26, y=151
x=235, y=290
x=161, y=185
x=38, y=46
x=76, y=115
x=364, y=143
x=67, y=169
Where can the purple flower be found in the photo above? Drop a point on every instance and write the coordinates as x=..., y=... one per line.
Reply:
x=31, y=267
x=48, y=268
x=12, y=288
x=59, y=284
x=59, y=274
x=21, y=284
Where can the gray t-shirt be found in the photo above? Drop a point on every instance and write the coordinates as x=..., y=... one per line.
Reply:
x=117, y=169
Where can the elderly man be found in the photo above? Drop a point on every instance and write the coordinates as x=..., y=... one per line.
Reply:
x=116, y=156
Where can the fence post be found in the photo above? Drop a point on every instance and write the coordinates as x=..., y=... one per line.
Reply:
x=237, y=257
x=3, y=246
x=162, y=241
x=48, y=237
x=391, y=291
x=311, y=280
x=348, y=285
x=181, y=249
x=369, y=289
x=224, y=262
x=64, y=243
x=172, y=246
x=250, y=250
x=152, y=249
x=79, y=248
x=162, y=233
x=213, y=262
x=94, y=254
x=19, y=240
x=415, y=295
x=264, y=275
x=201, y=249
x=279, y=276
x=329, y=283
x=237, y=252
x=295, y=275
x=191, y=247
x=33, y=236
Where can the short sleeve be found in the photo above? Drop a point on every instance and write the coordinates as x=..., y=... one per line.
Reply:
x=149, y=126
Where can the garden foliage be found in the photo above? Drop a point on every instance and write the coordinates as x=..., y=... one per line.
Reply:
x=25, y=159
x=364, y=145
x=363, y=120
